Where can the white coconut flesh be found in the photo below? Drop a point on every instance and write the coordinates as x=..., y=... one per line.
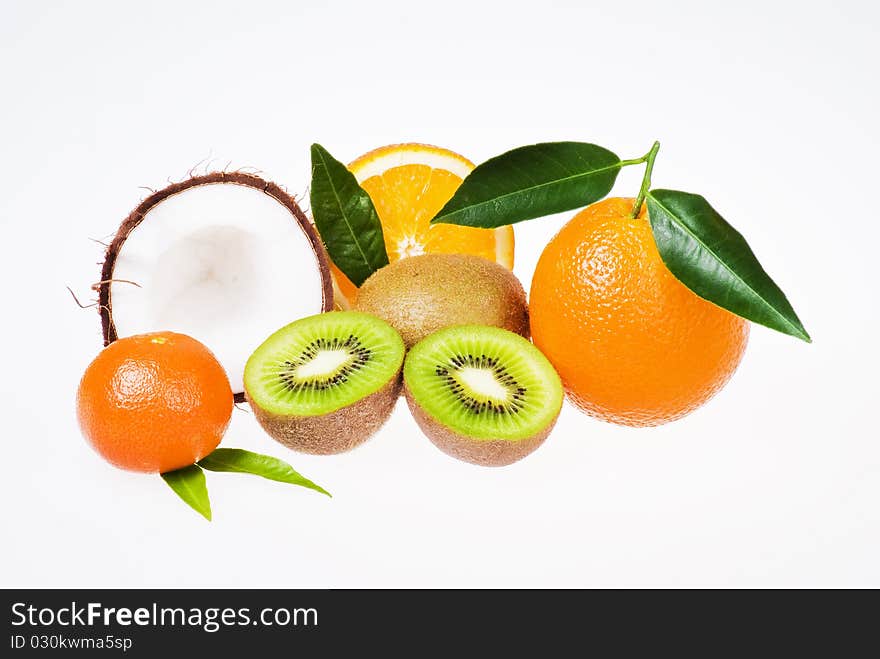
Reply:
x=226, y=264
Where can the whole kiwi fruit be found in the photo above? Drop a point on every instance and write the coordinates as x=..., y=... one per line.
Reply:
x=421, y=294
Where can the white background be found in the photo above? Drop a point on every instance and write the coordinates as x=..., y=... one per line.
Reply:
x=769, y=109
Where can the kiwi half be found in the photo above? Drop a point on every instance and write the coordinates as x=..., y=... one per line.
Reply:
x=421, y=294
x=482, y=394
x=326, y=383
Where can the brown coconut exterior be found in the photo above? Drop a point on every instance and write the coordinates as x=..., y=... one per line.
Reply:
x=105, y=303
x=336, y=432
x=421, y=294
x=486, y=453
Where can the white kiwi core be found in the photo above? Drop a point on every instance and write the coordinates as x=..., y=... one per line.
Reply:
x=225, y=263
x=324, y=363
x=483, y=383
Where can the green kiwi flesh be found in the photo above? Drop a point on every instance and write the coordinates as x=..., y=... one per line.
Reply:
x=482, y=394
x=421, y=294
x=324, y=384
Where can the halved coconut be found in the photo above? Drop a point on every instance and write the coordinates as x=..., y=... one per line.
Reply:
x=227, y=258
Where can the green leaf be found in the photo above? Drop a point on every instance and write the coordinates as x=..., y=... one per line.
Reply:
x=346, y=218
x=244, y=462
x=713, y=259
x=189, y=484
x=530, y=182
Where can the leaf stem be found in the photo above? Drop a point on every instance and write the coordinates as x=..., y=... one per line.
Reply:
x=646, y=179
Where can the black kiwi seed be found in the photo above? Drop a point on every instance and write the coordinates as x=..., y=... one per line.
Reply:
x=474, y=406
x=352, y=344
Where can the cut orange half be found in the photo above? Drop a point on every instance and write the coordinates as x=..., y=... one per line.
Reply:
x=409, y=184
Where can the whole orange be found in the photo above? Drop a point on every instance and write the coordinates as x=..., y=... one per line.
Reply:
x=632, y=344
x=154, y=402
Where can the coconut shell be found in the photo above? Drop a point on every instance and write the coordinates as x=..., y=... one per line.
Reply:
x=105, y=303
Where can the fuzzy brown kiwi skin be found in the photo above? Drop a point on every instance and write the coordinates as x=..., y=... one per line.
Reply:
x=486, y=453
x=421, y=294
x=336, y=432
x=105, y=304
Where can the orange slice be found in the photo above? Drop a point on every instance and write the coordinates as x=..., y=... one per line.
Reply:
x=409, y=184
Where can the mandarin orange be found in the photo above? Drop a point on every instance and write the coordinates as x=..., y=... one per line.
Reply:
x=154, y=402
